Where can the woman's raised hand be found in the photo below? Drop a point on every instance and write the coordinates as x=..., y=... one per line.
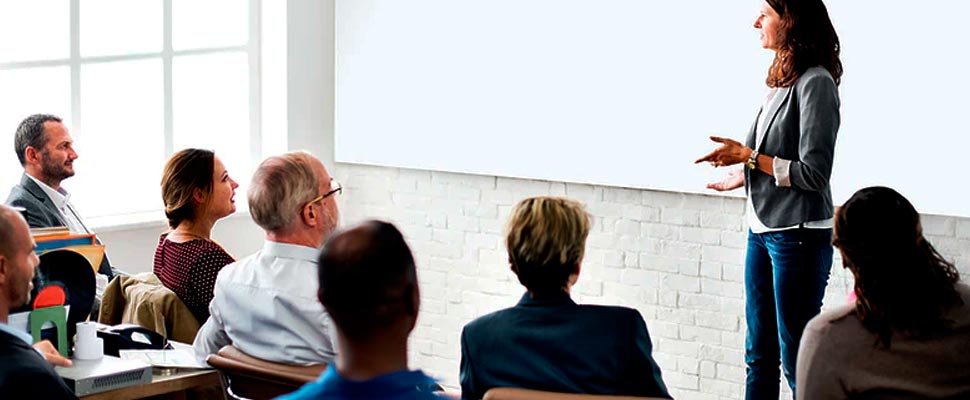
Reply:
x=729, y=153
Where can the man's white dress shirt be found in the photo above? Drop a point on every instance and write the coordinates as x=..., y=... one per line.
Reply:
x=62, y=200
x=266, y=306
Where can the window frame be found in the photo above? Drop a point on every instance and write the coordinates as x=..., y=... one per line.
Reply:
x=252, y=48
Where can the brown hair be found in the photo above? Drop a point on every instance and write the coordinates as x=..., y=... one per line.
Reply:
x=881, y=240
x=184, y=173
x=546, y=242
x=808, y=40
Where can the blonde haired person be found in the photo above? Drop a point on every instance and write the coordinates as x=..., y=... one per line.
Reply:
x=197, y=192
x=547, y=341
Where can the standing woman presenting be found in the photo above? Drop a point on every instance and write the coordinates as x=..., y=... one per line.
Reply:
x=787, y=158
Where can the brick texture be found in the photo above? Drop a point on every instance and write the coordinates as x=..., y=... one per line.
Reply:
x=677, y=258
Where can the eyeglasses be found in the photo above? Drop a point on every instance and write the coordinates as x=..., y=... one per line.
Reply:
x=335, y=188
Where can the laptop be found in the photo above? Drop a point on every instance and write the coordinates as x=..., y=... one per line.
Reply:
x=108, y=373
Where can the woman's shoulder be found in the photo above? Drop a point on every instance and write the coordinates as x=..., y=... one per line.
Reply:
x=197, y=249
x=838, y=322
x=209, y=249
x=815, y=75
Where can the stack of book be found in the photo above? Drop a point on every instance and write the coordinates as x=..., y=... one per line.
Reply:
x=61, y=239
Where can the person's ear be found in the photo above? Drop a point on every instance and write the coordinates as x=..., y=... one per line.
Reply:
x=412, y=303
x=4, y=265
x=31, y=155
x=198, y=196
x=309, y=216
x=573, y=277
x=412, y=300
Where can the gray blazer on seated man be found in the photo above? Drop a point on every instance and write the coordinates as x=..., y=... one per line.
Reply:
x=266, y=304
x=45, y=150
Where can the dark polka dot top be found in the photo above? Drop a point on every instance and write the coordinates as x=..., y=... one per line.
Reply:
x=189, y=269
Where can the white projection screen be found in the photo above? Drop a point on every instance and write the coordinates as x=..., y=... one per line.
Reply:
x=626, y=92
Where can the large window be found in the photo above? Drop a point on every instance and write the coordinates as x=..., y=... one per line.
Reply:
x=134, y=81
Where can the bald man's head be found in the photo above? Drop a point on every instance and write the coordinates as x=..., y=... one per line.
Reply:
x=17, y=258
x=368, y=280
x=7, y=218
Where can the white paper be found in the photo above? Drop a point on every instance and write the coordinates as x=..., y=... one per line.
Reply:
x=181, y=358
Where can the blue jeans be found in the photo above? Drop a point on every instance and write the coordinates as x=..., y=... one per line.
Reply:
x=785, y=274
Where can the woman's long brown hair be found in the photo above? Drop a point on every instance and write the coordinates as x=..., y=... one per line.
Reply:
x=808, y=40
x=903, y=284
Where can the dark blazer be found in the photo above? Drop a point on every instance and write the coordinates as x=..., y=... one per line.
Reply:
x=42, y=213
x=24, y=373
x=553, y=344
x=801, y=128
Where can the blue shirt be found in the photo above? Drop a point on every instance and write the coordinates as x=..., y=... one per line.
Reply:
x=401, y=385
x=17, y=333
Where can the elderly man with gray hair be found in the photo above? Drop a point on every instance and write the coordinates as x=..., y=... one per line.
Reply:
x=265, y=304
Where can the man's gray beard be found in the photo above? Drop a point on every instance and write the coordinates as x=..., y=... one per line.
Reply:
x=54, y=173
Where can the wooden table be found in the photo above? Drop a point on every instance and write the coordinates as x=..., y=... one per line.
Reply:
x=176, y=384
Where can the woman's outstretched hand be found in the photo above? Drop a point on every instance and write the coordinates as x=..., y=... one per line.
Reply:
x=729, y=153
x=734, y=180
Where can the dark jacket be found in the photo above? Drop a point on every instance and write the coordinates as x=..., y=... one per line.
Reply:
x=553, y=344
x=24, y=373
x=42, y=213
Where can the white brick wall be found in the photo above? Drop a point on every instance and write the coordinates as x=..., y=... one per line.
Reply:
x=675, y=257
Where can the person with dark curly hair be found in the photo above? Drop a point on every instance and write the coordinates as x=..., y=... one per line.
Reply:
x=908, y=334
x=787, y=158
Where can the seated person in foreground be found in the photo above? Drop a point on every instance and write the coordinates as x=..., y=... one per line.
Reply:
x=197, y=192
x=369, y=285
x=266, y=304
x=547, y=342
x=24, y=372
x=908, y=334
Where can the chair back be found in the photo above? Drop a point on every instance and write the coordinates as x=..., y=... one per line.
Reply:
x=526, y=394
x=142, y=300
x=254, y=378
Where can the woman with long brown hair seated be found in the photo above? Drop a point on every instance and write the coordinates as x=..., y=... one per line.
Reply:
x=197, y=192
x=908, y=334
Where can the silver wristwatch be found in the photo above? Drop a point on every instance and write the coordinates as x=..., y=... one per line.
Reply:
x=753, y=160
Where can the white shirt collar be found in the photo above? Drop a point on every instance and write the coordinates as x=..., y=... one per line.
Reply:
x=295, y=251
x=60, y=197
